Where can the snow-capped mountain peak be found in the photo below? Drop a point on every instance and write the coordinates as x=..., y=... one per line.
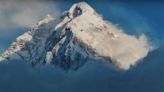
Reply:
x=79, y=36
x=47, y=19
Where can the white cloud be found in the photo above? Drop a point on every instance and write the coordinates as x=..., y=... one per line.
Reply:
x=17, y=13
x=133, y=21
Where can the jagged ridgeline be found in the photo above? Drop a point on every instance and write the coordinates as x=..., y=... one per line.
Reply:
x=80, y=35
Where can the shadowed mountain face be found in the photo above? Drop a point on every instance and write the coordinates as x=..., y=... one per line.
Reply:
x=78, y=36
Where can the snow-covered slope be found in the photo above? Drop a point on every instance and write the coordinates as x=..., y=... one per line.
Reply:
x=80, y=35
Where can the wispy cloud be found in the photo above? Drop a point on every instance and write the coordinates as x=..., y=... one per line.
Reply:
x=133, y=22
x=15, y=14
x=25, y=13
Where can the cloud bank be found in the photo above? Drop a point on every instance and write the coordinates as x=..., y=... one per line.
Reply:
x=26, y=13
x=17, y=15
x=17, y=76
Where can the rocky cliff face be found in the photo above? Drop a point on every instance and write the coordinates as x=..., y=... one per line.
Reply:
x=80, y=35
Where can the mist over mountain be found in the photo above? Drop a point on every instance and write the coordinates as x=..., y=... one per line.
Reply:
x=19, y=76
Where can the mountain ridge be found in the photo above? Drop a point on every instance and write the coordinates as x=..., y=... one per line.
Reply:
x=78, y=36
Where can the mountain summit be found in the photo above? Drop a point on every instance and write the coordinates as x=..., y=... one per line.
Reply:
x=80, y=35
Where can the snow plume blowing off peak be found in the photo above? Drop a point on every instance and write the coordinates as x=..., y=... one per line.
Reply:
x=80, y=35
